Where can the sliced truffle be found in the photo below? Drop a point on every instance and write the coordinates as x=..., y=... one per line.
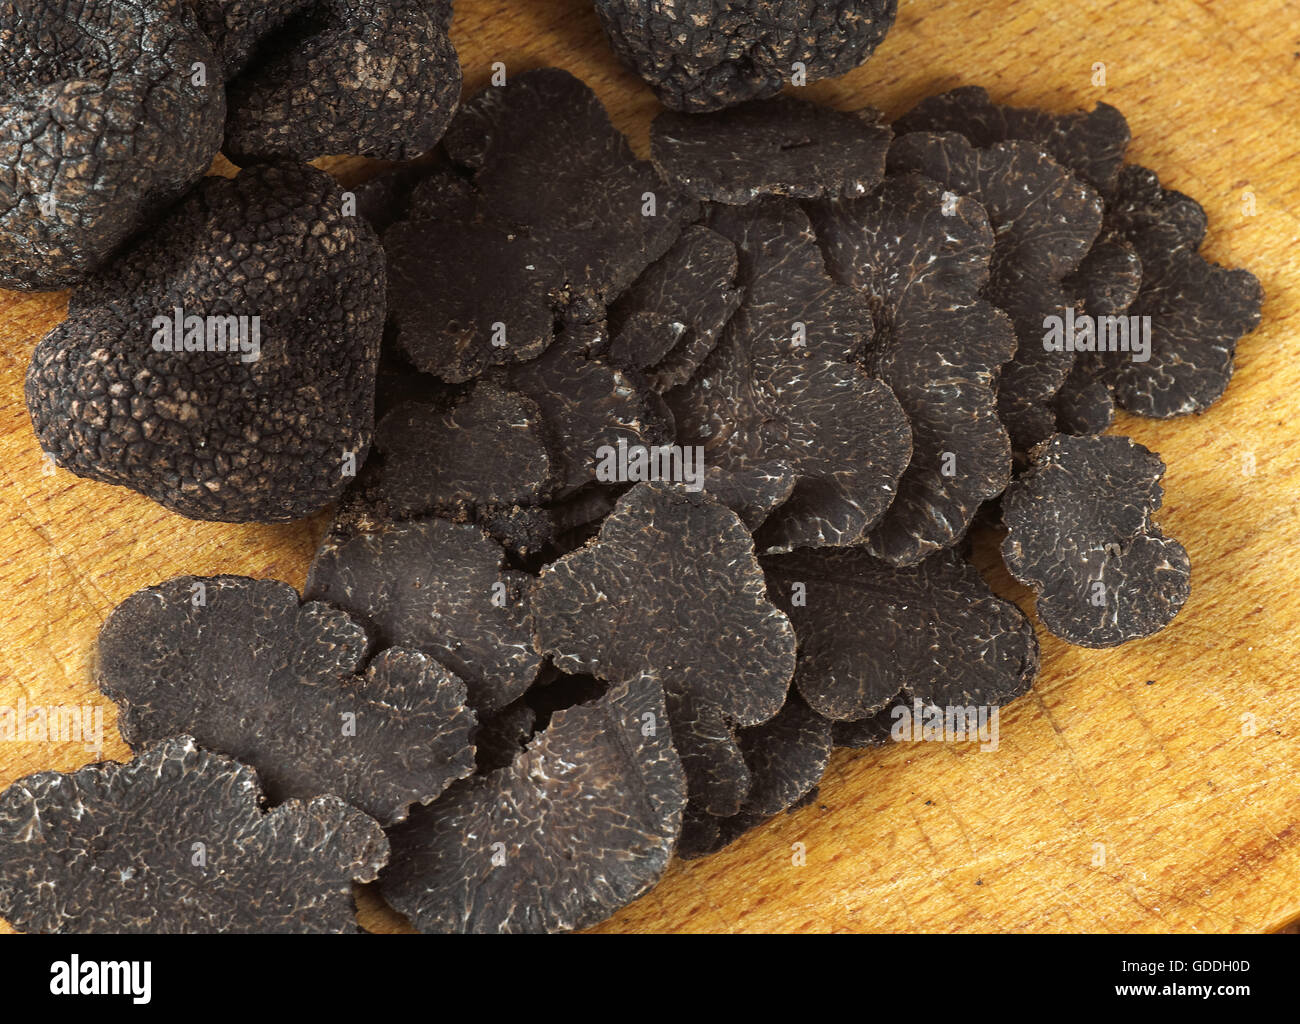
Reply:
x=785, y=384
x=753, y=494
x=603, y=215
x=224, y=366
x=102, y=123
x=1197, y=309
x=1044, y=221
x=778, y=147
x=703, y=55
x=670, y=318
x=176, y=841
x=581, y=823
x=873, y=731
x=869, y=631
x=248, y=671
x=383, y=71
x=438, y=587
x=669, y=586
x=1080, y=534
x=716, y=776
x=922, y=255
x=589, y=407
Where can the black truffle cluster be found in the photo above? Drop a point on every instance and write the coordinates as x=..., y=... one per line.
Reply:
x=675, y=468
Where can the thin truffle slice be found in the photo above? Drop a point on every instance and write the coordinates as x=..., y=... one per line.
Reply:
x=580, y=824
x=248, y=671
x=717, y=779
x=102, y=124
x=436, y=586
x=701, y=55
x=603, y=215
x=670, y=318
x=785, y=384
x=224, y=366
x=1198, y=310
x=869, y=631
x=177, y=842
x=670, y=586
x=382, y=72
x=781, y=147
x=1044, y=220
x=1080, y=534
x=922, y=255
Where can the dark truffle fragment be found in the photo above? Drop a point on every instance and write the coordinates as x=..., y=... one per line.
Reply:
x=384, y=71
x=785, y=384
x=1044, y=221
x=716, y=776
x=1080, y=534
x=869, y=631
x=581, y=823
x=922, y=255
x=436, y=586
x=670, y=318
x=103, y=122
x=224, y=366
x=701, y=55
x=603, y=215
x=244, y=668
x=872, y=731
x=1197, y=309
x=670, y=586
x=781, y=147
x=176, y=842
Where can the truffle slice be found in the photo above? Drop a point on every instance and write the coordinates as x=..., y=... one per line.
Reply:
x=873, y=731
x=670, y=586
x=176, y=842
x=1044, y=221
x=785, y=384
x=580, y=824
x=101, y=126
x=780, y=147
x=702, y=55
x=717, y=779
x=224, y=366
x=436, y=586
x=922, y=255
x=869, y=631
x=670, y=318
x=1198, y=309
x=603, y=215
x=1090, y=144
x=1080, y=534
x=384, y=71
x=241, y=666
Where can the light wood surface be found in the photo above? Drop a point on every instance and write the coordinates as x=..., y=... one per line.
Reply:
x=1146, y=753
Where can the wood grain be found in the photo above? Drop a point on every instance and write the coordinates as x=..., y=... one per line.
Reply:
x=1146, y=751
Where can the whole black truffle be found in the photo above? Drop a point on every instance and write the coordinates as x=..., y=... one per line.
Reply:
x=225, y=364
x=109, y=110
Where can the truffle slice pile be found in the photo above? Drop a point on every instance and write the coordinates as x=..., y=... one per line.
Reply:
x=1079, y=532
x=101, y=125
x=247, y=670
x=701, y=55
x=176, y=841
x=224, y=365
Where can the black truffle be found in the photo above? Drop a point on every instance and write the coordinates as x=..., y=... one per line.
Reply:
x=869, y=632
x=785, y=385
x=1080, y=534
x=109, y=110
x=581, y=823
x=438, y=587
x=176, y=841
x=224, y=366
x=780, y=147
x=701, y=55
x=376, y=78
x=248, y=671
x=921, y=256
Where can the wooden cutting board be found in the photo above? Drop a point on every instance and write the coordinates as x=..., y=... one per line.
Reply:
x=1149, y=788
